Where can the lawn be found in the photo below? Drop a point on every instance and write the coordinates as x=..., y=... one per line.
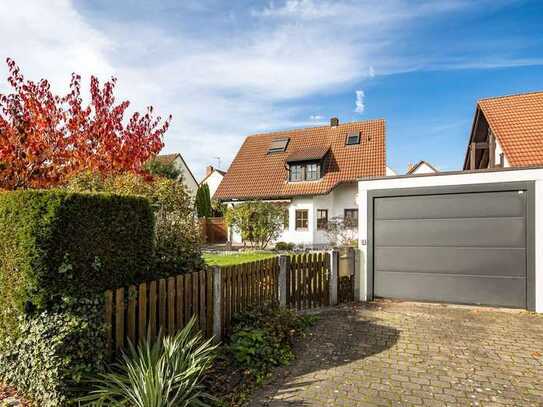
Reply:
x=214, y=259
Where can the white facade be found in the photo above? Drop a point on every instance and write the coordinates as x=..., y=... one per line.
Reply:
x=213, y=181
x=390, y=172
x=423, y=168
x=499, y=151
x=454, y=179
x=343, y=197
x=188, y=179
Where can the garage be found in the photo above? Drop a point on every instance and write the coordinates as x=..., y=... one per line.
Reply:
x=465, y=244
x=465, y=248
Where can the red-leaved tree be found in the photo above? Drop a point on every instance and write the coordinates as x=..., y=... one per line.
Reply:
x=45, y=138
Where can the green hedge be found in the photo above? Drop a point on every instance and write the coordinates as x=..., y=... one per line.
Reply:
x=56, y=245
x=57, y=351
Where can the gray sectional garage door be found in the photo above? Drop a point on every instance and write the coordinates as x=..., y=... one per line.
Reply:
x=464, y=248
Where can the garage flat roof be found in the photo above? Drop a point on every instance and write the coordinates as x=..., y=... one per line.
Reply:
x=438, y=174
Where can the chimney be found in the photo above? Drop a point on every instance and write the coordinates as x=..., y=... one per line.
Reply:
x=209, y=170
x=334, y=122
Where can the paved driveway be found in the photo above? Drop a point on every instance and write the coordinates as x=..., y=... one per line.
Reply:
x=407, y=354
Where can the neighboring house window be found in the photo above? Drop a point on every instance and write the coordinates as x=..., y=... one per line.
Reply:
x=285, y=219
x=351, y=217
x=312, y=172
x=301, y=219
x=322, y=219
x=296, y=172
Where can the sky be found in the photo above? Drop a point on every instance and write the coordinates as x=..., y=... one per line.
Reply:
x=228, y=69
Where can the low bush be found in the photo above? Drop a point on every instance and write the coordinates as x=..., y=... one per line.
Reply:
x=284, y=246
x=56, y=245
x=258, y=222
x=263, y=337
x=55, y=350
x=163, y=373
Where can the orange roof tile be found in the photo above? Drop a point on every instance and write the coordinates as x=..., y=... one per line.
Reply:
x=517, y=122
x=255, y=174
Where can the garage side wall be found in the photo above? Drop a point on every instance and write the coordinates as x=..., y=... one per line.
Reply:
x=372, y=187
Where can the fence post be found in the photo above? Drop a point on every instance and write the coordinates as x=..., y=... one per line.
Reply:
x=357, y=274
x=283, y=266
x=334, y=260
x=217, y=303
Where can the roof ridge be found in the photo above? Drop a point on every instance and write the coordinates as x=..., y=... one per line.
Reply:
x=292, y=130
x=511, y=95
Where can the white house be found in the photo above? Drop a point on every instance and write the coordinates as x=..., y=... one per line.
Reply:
x=422, y=167
x=185, y=173
x=212, y=179
x=312, y=172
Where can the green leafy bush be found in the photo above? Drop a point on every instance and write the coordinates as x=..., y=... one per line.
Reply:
x=263, y=337
x=163, y=373
x=54, y=352
x=284, y=246
x=56, y=245
x=257, y=222
x=177, y=239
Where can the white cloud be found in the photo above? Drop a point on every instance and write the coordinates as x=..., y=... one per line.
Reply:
x=219, y=87
x=360, y=105
x=316, y=117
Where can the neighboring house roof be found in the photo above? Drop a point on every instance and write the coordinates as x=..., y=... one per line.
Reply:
x=415, y=167
x=167, y=158
x=170, y=158
x=255, y=174
x=223, y=173
x=517, y=123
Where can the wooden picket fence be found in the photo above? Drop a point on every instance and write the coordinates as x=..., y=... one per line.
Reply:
x=247, y=285
x=308, y=281
x=162, y=306
x=214, y=296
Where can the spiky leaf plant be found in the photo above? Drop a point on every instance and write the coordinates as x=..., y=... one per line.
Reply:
x=162, y=373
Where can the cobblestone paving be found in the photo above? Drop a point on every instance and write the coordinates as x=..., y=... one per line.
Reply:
x=408, y=354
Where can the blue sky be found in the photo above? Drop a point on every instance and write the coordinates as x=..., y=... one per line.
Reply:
x=228, y=69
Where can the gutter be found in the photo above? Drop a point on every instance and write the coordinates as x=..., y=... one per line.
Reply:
x=483, y=170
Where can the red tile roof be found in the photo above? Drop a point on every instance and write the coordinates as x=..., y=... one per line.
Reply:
x=517, y=122
x=166, y=158
x=255, y=174
x=308, y=154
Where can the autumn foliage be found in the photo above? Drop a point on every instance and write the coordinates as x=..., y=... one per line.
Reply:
x=45, y=139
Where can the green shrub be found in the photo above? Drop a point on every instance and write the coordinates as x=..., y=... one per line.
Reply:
x=203, y=202
x=178, y=239
x=284, y=246
x=55, y=351
x=56, y=245
x=163, y=373
x=263, y=337
x=257, y=222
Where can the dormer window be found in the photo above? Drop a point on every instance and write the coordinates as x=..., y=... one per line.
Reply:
x=278, y=145
x=312, y=172
x=296, y=173
x=307, y=164
x=304, y=172
x=352, y=138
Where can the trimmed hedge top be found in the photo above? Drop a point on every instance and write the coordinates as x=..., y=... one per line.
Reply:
x=55, y=244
